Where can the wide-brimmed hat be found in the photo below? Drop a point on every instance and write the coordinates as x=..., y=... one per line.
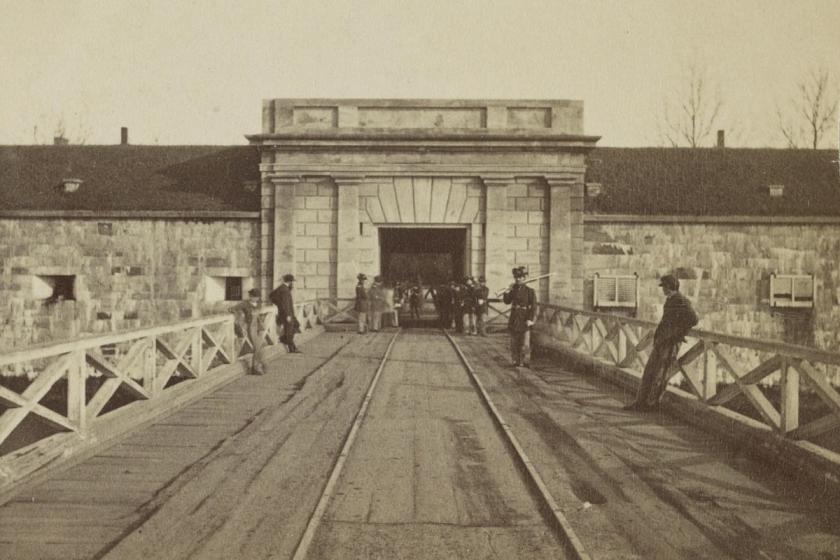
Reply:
x=288, y=278
x=670, y=282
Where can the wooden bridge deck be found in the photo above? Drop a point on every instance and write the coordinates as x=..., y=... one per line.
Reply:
x=238, y=473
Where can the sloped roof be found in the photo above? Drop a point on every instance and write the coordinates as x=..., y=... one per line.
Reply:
x=713, y=182
x=181, y=178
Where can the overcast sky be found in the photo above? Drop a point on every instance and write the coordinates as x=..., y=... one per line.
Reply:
x=194, y=72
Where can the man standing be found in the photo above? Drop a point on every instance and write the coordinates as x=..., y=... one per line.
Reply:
x=286, y=320
x=523, y=310
x=248, y=323
x=362, y=303
x=482, y=292
x=377, y=303
x=678, y=317
x=470, y=302
x=415, y=301
x=457, y=291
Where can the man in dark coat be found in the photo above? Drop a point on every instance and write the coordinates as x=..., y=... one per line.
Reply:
x=678, y=317
x=470, y=302
x=458, y=298
x=286, y=320
x=362, y=304
x=523, y=309
x=482, y=292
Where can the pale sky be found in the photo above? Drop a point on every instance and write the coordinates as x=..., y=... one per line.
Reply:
x=195, y=72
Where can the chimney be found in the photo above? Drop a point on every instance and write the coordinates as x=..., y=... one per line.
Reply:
x=721, y=143
x=60, y=141
x=124, y=136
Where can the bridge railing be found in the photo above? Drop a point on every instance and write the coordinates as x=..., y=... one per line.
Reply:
x=70, y=389
x=763, y=380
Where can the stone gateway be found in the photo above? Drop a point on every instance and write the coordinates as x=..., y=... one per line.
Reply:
x=350, y=186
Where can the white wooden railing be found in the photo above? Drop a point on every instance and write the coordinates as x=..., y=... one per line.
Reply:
x=70, y=389
x=716, y=367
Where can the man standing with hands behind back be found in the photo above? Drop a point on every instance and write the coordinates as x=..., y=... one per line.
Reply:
x=523, y=310
x=282, y=298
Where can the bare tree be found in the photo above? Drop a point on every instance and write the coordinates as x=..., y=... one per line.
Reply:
x=691, y=112
x=79, y=135
x=811, y=113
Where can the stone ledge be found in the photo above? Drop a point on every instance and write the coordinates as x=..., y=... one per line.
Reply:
x=819, y=465
x=671, y=219
x=130, y=214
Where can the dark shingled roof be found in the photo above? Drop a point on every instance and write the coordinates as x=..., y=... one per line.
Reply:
x=180, y=178
x=713, y=182
x=639, y=181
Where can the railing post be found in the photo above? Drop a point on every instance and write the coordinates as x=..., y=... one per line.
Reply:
x=76, y=398
x=622, y=343
x=150, y=366
x=230, y=335
x=710, y=371
x=789, y=397
x=195, y=351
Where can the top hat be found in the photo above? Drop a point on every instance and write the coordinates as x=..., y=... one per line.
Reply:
x=288, y=278
x=670, y=282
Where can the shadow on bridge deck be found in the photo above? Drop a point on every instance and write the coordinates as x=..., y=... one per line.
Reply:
x=237, y=473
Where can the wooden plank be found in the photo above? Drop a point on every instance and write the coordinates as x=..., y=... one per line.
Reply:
x=820, y=384
x=818, y=427
x=102, y=365
x=770, y=415
x=102, y=396
x=98, y=341
x=789, y=395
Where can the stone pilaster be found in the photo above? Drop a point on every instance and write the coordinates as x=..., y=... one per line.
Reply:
x=284, y=226
x=266, y=271
x=347, y=242
x=560, y=288
x=496, y=268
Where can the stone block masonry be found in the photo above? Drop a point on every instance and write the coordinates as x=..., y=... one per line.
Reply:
x=724, y=268
x=135, y=273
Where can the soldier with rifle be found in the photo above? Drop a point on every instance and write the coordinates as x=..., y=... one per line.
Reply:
x=523, y=310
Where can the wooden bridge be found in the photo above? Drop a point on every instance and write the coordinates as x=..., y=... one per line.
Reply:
x=416, y=443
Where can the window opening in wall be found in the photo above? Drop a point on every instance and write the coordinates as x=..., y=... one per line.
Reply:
x=233, y=288
x=792, y=290
x=225, y=288
x=54, y=288
x=613, y=291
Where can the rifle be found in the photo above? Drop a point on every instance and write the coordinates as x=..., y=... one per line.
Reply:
x=528, y=281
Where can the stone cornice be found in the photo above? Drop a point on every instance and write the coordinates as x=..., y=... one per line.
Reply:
x=275, y=171
x=130, y=214
x=672, y=219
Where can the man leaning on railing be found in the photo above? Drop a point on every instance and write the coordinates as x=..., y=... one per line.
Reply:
x=248, y=326
x=678, y=317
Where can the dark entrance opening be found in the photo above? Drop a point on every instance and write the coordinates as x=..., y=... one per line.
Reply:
x=422, y=256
